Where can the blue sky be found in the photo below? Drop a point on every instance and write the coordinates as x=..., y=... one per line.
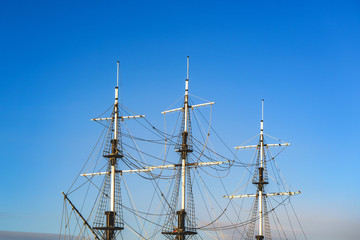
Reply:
x=57, y=70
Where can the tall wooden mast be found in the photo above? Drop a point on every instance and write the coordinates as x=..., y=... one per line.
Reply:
x=113, y=224
x=261, y=181
x=185, y=224
x=111, y=228
x=184, y=150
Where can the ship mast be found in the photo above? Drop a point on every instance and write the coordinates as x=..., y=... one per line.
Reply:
x=184, y=150
x=112, y=225
x=113, y=158
x=183, y=228
x=114, y=142
x=261, y=181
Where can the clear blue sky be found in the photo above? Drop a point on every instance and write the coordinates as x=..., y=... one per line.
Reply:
x=57, y=70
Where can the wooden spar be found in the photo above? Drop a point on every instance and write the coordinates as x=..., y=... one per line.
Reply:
x=81, y=216
x=148, y=169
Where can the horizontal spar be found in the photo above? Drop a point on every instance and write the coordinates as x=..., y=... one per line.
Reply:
x=191, y=107
x=172, y=110
x=282, y=193
x=173, y=166
x=94, y=174
x=148, y=169
x=202, y=105
x=240, y=196
x=265, y=145
x=122, y=118
x=266, y=194
x=125, y=171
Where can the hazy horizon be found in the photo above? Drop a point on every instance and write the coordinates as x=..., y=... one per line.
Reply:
x=11, y=235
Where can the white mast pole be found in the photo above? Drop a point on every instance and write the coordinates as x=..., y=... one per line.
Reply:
x=113, y=170
x=261, y=166
x=183, y=164
x=186, y=105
